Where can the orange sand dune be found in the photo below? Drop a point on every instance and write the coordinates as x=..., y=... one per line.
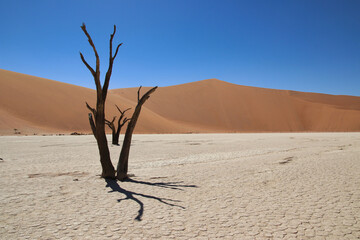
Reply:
x=217, y=106
x=37, y=105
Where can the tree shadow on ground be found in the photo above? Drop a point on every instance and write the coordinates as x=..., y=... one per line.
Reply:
x=171, y=185
x=115, y=187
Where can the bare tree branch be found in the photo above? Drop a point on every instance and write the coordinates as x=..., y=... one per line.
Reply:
x=91, y=118
x=91, y=109
x=110, y=48
x=111, y=62
x=108, y=73
x=146, y=95
x=83, y=27
x=118, y=109
x=117, y=49
x=138, y=93
x=122, y=112
x=87, y=65
x=110, y=123
x=126, y=110
x=125, y=120
x=92, y=124
x=113, y=119
x=121, y=116
x=96, y=73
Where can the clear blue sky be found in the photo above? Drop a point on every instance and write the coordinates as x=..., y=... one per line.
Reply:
x=304, y=45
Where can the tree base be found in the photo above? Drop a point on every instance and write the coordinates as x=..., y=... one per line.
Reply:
x=108, y=175
x=122, y=176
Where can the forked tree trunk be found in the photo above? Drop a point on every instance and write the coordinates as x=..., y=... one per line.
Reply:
x=113, y=130
x=122, y=167
x=120, y=124
x=98, y=126
x=116, y=131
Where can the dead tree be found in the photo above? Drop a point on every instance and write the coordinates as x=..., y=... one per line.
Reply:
x=122, y=167
x=97, y=116
x=116, y=131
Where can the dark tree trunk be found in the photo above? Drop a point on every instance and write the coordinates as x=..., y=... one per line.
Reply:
x=98, y=126
x=108, y=170
x=115, y=138
x=122, y=167
x=98, y=129
x=116, y=135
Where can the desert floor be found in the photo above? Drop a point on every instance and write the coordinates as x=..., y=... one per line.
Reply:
x=191, y=186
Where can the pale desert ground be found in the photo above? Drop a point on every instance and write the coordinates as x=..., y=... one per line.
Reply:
x=190, y=186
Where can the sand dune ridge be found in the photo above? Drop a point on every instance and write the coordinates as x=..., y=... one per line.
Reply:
x=33, y=104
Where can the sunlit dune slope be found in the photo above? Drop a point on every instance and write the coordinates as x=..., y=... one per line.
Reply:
x=218, y=106
x=37, y=105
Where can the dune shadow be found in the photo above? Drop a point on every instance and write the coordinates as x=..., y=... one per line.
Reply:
x=134, y=196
